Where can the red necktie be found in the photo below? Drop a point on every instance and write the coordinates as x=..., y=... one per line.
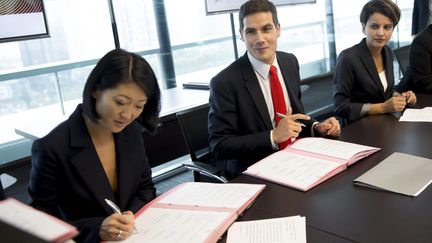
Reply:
x=279, y=104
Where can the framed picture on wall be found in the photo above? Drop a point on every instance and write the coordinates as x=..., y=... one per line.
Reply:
x=22, y=19
x=227, y=6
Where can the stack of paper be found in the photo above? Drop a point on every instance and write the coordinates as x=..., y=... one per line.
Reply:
x=417, y=115
x=278, y=230
x=401, y=173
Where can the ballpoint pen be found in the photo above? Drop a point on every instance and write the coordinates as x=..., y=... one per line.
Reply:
x=116, y=209
x=283, y=116
x=112, y=205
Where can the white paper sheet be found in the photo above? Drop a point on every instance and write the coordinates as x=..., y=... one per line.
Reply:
x=278, y=230
x=329, y=147
x=293, y=169
x=161, y=225
x=417, y=115
x=213, y=195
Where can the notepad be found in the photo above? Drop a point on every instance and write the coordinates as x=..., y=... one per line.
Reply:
x=308, y=162
x=193, y=212
x=26, y=220
x=400, y=173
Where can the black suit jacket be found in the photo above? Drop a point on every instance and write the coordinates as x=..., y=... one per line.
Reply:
x=239, y=121
x=67, y=179
x=421, y=61
x=356, y=81
x=420, y=16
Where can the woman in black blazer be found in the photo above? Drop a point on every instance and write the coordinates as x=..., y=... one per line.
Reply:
x=98, y=153
x=363, y=82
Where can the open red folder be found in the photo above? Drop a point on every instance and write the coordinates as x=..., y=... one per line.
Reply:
x=193, y=212
x=22, y=223
x=308, y=162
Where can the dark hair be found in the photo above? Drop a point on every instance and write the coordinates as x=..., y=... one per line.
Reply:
x=119, y=66
x=257, y=6
x=384, y=7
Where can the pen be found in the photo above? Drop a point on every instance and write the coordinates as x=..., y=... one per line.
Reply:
x=116, y=209
x=283, y=116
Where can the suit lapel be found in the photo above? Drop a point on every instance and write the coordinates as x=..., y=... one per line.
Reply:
x=255, y=92
x=285, y=70
x=87, y=164
x=125, y=168
x=369, y=64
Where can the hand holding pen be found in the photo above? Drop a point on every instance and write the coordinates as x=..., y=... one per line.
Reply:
x=120, y=234
x=288, y=127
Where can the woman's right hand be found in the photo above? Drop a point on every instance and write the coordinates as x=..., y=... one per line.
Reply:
x=394, y=104
x=117, y=226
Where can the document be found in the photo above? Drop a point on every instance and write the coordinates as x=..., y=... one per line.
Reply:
x=34, y=222
x=417, y=115
x=400, y=173
x=308, y=162
x=193, y=212
x=278, y=230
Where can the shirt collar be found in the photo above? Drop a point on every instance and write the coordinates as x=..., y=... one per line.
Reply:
x=262, y=68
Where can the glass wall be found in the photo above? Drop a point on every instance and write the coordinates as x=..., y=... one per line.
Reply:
x=44, y=77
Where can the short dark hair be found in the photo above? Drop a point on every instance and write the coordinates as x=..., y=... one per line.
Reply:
x=119, y=67
x=384, y=7
x=257, y=6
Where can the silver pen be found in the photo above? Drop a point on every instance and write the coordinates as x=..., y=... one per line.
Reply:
x=116, y=209
x=284, y=116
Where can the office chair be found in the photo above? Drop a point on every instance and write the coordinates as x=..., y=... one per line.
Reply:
x=193, y=124
x=402, y=56
x=2, y=193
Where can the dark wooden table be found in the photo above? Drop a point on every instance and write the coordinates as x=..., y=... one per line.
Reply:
x=338, y=210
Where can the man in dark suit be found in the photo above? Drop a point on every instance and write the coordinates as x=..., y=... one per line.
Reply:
x=421, y=16
x=421, y=61
x=242, y=119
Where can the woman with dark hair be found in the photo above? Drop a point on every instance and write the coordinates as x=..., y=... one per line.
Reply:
x=98, y=152
x=364, y=81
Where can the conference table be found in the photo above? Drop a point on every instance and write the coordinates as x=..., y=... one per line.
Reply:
x=339, y=211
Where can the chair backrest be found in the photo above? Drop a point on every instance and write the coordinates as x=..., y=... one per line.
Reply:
x=402, y=56
x=2, y=193
x=193, y=123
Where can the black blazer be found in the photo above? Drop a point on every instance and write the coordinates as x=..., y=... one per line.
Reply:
x=420, y=16
x=421, y=61
x=67, y=179
x=239, y=121
x=356, y=81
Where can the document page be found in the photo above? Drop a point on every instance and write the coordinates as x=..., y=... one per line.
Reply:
x=230, y=195
x=417, y=115
x=161, y=225
x=292, y=169
x=278, y=230
x=329, y=147
x=34, y=222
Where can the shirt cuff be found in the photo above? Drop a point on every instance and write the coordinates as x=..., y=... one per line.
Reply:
x=274, y=145
x=365, y=110
x=313, y=129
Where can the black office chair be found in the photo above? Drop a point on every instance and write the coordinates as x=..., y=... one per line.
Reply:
x=2, y=193
x=193, y=123
x=402, y=56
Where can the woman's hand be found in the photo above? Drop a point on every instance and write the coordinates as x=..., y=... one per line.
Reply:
x=117, y=226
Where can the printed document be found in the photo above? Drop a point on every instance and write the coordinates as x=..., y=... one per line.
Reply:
x=278, y=230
